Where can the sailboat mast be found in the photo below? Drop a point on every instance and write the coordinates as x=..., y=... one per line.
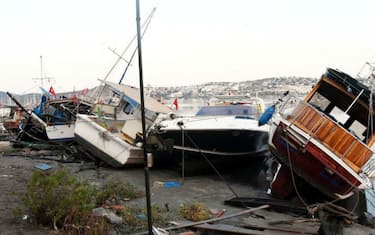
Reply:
x=146, y=170
x=41, y=70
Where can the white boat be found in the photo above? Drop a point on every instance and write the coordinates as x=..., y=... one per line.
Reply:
x=114, y=134
x=52, y=120
x=224, y=129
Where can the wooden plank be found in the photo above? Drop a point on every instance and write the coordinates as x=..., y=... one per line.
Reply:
x=280, y=229
x=226, y=228
x=293, y=221
x=214, y=219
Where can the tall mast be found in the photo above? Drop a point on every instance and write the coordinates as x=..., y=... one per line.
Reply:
x=41, y=70
x=42, y=73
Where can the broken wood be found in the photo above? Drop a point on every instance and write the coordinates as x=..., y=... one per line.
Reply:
x=228, y=229
x=276, y=222
x=275, y=204
x=338, y=211
x=259, y=230
x=280, y=229
x=213, y=219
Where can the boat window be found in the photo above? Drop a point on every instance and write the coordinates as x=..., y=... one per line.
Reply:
x=339, y=115
x=128, y=108
x=115, y=100
x=227, y=110
x=319, y=101
x=150, y=115
x=358, y=129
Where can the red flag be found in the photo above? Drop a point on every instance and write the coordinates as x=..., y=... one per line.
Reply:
x=74, y=97
x=85, y=91
x=175, y=103
x=52, y=91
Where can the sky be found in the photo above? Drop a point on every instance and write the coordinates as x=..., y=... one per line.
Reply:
x=188, y=41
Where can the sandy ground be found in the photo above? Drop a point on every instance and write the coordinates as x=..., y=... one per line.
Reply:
x=206, y=188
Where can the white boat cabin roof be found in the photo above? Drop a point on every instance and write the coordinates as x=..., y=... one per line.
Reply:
x=132, y=92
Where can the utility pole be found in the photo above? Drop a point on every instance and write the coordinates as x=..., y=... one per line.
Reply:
x=146, y=170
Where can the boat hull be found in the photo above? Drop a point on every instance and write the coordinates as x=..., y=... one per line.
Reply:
x=216, y=135
x=104, y=145
x=219, y=142
x=311, y=163
x=60, y=133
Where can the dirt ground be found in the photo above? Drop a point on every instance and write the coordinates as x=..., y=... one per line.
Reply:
x=207, y=188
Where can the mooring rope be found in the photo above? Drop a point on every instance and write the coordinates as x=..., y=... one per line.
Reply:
x=213, y=167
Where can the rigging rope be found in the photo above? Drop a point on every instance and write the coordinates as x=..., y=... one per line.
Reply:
x=147, y=21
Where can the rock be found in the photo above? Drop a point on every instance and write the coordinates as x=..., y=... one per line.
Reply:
x=113, y=218
x=100, y=211
x=109, y=215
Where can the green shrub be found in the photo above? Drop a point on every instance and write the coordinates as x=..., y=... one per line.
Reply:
x=195, y=211
x=55, y=198
x=135, y=219
x=117, y=191
x=51, y=196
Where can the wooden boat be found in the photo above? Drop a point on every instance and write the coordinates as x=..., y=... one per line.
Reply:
x=325, y=139
x=114, y=133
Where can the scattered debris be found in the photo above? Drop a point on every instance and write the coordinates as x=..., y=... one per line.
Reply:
x=215, y=213
x=171, y=184
x=289, y=229
x=43, y=166
x=141, y=216
x=160, y=184
x=275, y=204
x=293, y=221
x=187, y=233
x=337, y=211
x=192, y=224
x=118, y=207
x=6, y=176
x=159, y=231
x=108, y=214
x=367, y=219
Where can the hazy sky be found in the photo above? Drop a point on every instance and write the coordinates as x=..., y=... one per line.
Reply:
x=188, y=41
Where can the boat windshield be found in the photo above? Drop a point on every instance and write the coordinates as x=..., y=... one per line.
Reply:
x=227, y=110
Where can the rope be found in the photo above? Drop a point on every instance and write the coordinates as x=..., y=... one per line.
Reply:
x=310, y=208
x=213, y=167
x=292, y=174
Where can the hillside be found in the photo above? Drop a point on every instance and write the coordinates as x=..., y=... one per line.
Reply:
x=263, y=87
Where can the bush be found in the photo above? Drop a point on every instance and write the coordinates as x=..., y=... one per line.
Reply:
x=135, y=219
x=195, y=211
x=117, y=191
x=48, y=195
x=57, y=199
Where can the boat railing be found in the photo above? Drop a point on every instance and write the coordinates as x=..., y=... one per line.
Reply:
x=369, y=168
x=320, y=126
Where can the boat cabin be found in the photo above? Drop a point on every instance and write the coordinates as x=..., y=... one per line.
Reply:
x=121, y=111
x=338, y=112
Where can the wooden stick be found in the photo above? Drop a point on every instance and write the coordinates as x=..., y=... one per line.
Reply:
x=213, y=219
